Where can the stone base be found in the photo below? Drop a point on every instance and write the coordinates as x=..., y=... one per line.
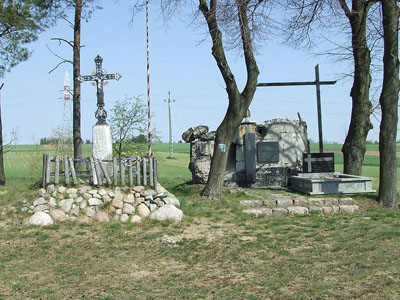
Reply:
x=102, y=145
x=102, y=142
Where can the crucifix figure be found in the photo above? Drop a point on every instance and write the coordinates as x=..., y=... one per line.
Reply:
x=99, y=79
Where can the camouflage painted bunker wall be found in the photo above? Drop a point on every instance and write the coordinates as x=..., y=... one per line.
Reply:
x=262, y=154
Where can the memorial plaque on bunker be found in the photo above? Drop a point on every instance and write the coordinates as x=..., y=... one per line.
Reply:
x=268, y=152
x=318, y=162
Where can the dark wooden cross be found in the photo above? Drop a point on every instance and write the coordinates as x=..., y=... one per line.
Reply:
x=99, y=79
x=317, y=84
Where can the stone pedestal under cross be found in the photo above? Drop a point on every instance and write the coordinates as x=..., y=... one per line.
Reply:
x=101, y=134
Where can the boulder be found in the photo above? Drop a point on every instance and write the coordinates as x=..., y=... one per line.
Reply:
x=40, y=219
x=95, y=202
x=149, y=192
x=66, y=205
x=117, y=203
x=138, y=189
x=62, y=190
x=316, y=201
x=58, y=215
x=83, y=204
x=346, y=201
x=143, y=210
x=258, y=211
x=102, y=217
x=39, y=201
x=297, y=210
x=348, y=209
x=300, y=201
x=279, y=211
x=87, y=196
x=83, y=189
x=42, y=207
x=136, y=219
x=42, y=192
x=124, y=218
x=251, y=203
x=72, y=191
x=315, y=209
x=152, y=207
x=128, y=209
x=167, y=212
x=331, y=201
x=102, y=192
x=75, y=211
x=90, y=212
x=284, y=202
x=130, y=198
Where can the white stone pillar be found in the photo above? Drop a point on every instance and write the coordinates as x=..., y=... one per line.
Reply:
x=102, y=144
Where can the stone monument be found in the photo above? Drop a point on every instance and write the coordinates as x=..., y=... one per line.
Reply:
x=101, y=134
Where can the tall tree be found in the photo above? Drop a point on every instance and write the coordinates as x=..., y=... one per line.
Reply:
x=76, y=107
x=389, y=105
x=242, y=22
x=239, y=102
x=82, y=9
x=323, y=15
x=354, y=146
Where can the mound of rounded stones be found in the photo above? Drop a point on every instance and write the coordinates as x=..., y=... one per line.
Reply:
x=86, y=204
x=288, y=205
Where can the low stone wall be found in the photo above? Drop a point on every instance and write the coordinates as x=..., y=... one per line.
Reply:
x=86, y=204
x=287, y=205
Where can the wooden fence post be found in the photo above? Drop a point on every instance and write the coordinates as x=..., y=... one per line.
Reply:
x=48, y=168
x=144, y=172
x=56, y=169
x=151, y=171
x=130, y=172
x=155, y=172
x=115, y=171
x=44, y=171
x=104, y=169
x=98, y=174
x=93, y=171
x=66, y=170
x=137, y=172
x=72, y=168
x=122, y=171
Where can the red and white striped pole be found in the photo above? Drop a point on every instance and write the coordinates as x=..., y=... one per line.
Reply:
x=148, y=78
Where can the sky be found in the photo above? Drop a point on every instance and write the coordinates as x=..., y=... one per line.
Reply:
x=180, y=62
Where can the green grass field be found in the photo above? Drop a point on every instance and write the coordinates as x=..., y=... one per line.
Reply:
x=220, y=252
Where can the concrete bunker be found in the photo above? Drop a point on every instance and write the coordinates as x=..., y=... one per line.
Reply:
x=262, y=154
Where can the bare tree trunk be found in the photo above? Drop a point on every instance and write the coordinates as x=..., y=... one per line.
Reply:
x=238, y=102
x=389, y=105
x=77, y=84
x=354, y=146
x=2, y=174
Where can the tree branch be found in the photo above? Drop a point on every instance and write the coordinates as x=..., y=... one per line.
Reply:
x=345, y=8
x=71, y=43
x=218, y=48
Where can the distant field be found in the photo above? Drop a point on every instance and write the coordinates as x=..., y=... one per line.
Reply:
x=27, y=162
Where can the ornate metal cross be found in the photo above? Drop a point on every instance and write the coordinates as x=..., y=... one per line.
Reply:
x=99, y=79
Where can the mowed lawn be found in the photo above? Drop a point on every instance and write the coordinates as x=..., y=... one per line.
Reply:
x=220, y=252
